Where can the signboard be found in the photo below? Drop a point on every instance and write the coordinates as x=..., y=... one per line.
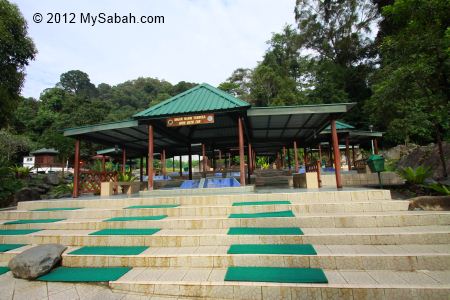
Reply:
x=190, y=120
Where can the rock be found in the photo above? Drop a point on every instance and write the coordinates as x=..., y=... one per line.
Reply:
x=399, y=151
x=427, y=156
x=52, y=179
x=36, y=261
x=27, y=194
x=45, y=187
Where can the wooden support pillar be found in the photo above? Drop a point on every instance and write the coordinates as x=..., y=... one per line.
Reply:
x=229, y=160
x=320, y=154
x=241, y=151
x=150, y=157
x=225, y=163
x=204, y=160
x=181, y=166
x=124, y=160
x=103, y=164
x=319, y=169
x=141, y=169
x=289, y=159
x=375, y=145
x=278, y=161
x=249, y=162
x=190, y=162
x=283, y=158
x=337, y=155
x=295, y=157
x=173, y=164
x=353, y=154
x=330, y=156
x=146, y=165
x=76, y=170
x=163, y=162
x=347, y=152
x=250, y=158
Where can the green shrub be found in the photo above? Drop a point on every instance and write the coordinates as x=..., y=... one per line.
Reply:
x=62, y=189
x=21, y=172
x=390, y=165
x=9, y=184
x=262, y=162
x=415, y=176
x=126, y=177
x=439, y=188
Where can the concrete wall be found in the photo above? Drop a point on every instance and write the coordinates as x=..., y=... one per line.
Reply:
x=353, y=179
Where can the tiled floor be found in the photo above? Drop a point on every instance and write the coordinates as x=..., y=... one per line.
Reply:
x=18, y=289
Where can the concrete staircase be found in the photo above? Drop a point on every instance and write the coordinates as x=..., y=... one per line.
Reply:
x=368, y=245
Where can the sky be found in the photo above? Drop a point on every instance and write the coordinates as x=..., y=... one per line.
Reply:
x=200, y=40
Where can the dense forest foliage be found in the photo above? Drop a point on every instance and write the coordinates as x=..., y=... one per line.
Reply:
x=390, y=57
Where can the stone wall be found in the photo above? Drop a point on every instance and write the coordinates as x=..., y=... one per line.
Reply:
x=353, y=179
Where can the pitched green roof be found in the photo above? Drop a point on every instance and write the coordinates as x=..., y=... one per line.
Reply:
x=202, y=98
x=341, y=126
x=45, y=151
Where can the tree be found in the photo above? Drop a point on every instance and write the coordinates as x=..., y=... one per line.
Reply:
x=411, y=88
x=78, y=83
x=16, y=50
x=12, y=146
x=238, y=84
x=337, y=34
x=281, y=77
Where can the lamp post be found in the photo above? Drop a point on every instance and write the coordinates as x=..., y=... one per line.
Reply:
x=371, y=140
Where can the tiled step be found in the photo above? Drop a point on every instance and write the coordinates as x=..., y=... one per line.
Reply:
x=332, y=257
x=357, y=195
x=213, y=237
x=348, y=284
x=338, y=220
x=298, y=209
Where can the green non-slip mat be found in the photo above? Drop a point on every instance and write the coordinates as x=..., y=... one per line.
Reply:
x=34, y=221
x=265, y=231
x=260, y=203
x=294, y=249
x=7, y=247
x=56, y=208
x=273, y=214
x=153, y=206
x=138, y=218
x=111, y=250
x=271, y=274
x=64, y=274
x=18, y=231
x=3, y=270
x=126, y=231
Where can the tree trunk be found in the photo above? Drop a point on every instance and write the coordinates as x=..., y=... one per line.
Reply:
x=441, y=152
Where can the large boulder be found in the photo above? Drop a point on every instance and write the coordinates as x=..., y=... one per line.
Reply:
x=427, y=156
x=27, y=194
x=52, y=179
x=36, y=261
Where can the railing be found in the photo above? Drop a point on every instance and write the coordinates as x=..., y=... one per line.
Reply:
x=315, y=167
x=90, y=181
x=360, y=164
